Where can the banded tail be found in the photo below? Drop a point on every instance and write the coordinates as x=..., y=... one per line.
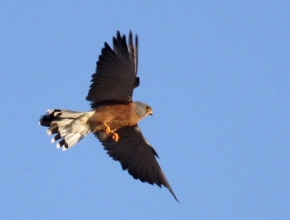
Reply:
x=69, y=126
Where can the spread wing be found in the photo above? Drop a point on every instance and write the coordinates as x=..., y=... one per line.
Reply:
x=115, y=76
x=136, y=155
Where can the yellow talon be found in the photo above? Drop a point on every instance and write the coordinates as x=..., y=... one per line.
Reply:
x=115, y=137
x=107, y=129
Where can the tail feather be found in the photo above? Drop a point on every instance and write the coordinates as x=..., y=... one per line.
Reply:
x=69, y=126
x=56, y=137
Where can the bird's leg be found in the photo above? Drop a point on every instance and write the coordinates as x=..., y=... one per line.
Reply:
x=108, y=130
x=115, y=136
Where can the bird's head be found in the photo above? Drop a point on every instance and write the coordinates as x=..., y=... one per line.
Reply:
x=142, y=109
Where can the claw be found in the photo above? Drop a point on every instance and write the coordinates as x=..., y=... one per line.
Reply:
x=115, y=137
x=107, y=129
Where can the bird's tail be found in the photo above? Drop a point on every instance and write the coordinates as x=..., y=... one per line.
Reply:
x=69, y=126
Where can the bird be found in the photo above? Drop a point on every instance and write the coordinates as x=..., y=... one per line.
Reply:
x=114, y=116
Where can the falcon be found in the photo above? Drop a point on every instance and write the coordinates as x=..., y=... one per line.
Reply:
x=113, y=116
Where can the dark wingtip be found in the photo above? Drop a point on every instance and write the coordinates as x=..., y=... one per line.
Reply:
x=136, y=40
x=172, y=193
x=166, y=184
x=137, y=82
x=130, y=37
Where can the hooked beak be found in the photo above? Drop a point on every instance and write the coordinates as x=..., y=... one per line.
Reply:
x=150, y=112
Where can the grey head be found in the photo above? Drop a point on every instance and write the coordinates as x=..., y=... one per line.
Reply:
x=142, y=109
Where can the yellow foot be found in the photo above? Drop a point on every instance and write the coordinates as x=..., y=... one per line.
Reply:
x=115, y=137
x=107, y=129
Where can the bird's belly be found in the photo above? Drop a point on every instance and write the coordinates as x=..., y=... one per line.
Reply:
x=115, y=116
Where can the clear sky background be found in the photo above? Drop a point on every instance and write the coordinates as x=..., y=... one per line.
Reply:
x=216, y=76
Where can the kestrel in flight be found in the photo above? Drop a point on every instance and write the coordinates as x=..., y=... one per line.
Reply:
x=114, y=116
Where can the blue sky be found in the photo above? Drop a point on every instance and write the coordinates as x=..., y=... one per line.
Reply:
x=216, y=76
